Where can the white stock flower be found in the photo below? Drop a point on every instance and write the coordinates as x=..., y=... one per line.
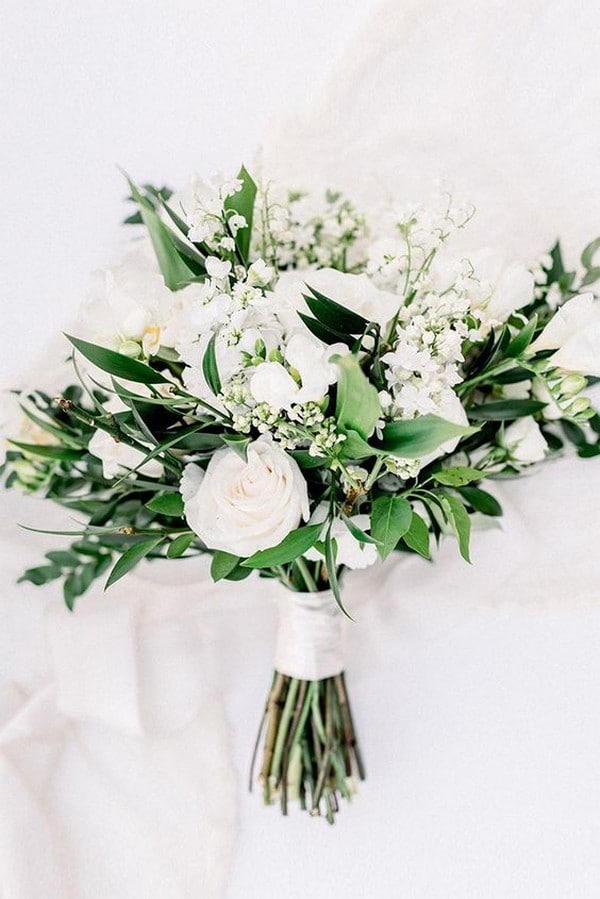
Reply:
x=524, y=441
x=574, y=332
x=242, y=507
x=350, y=551
x=271, y=383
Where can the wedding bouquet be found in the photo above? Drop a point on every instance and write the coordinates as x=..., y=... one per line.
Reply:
x=273, y=379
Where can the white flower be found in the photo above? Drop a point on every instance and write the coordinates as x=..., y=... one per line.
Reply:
x=118, y=458
x=259, y=274
x=127, y=301
x=242, y=507
x=575, y=334
x=309, y=359
x=509, y=287
x=236, y=222
x=217, y=268
x=355, y=292
x=350, y=551
x=524, y=441
x=273, y=385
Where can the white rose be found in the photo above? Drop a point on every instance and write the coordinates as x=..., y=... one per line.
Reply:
x=575, y=334
x=350, y=551
x=355, y=292
x=511, y=287
x=524, y=441
x=271, y=383
x=242, y=507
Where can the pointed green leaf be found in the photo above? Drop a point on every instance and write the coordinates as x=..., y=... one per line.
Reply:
x=521, y=341
x=357, y=405
x=116, y=363
x=456, y=477
x=176, y=270
x=327, y=335
x=503, y=410
x=481, y=501
x=59, y=453
x=238, y=443
x=420, y=436
x=131, y=557
x=417, y=536
x=243, y=203
x=167, y=504
x=291, y=547
x=209, y=367
x=333, y=315
x=179, y=545
x=461, y=523
x=391, y=518
x=223, y=564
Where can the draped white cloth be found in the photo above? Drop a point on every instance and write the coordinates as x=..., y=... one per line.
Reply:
x=476, y=689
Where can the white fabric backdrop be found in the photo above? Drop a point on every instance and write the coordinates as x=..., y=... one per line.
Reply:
x=476, y=689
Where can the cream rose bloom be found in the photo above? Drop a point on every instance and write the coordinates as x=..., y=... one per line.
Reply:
x=574, y=332
x=242, y=506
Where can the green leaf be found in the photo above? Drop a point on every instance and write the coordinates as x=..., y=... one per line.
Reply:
x=333, y=315
x=40, y=575
x=331, y=564
x=63, y=558
x=59, y=453
x=420, y=436
x=456, y=477
x=357, y=533
x=71, y=590
x=222, y=564
x=354, y=447
x=116, y=363
x=521, y=341
x=131, y=557
x=587, y=257
x=295, y=544
x=179, y=545
x=167, y=504
x=502, y=410
x=176, y=270
x=481, y=500
x=357, y=405
x=238, y=443
x=461, y=523
x=327, y=335
x=391, y=518
x=209, y=367
x=243, y=203
x=417, y=536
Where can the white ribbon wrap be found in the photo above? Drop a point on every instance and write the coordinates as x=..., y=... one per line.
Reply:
x=309, y=638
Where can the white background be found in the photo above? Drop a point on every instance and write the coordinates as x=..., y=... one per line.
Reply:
x=163, y=90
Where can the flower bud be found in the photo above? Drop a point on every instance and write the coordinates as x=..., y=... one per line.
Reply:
x=130, y=348
x=579, y=405
x=572, y=385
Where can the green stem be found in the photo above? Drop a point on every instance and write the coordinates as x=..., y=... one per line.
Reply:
x=306, y=575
